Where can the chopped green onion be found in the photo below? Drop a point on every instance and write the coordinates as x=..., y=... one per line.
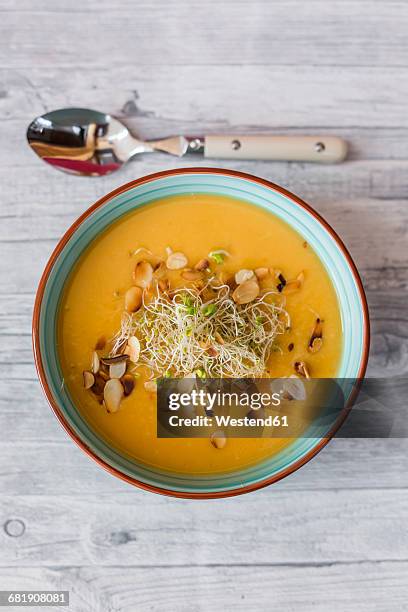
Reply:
x=200, y=373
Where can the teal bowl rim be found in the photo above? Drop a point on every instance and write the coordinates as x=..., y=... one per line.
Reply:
x=55, y=404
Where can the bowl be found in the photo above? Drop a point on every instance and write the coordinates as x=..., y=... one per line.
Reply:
x=258, y=192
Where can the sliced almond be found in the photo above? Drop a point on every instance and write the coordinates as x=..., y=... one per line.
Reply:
x=202, y=265
x=115, y=359
x=113, y=394
x=243, y=275
x=218, y=439
x=133, y=299
x=176, y=261
x=315, y=345
x=302, y=369
x=294, y=285
x=293, y=388
x=100, y=343
x=117, y=370
x=143, y=274
x=98, y=386
x=103, y=375
x=95, y=362
x=316, y=340
x=128, y=383
x=160, y=270
x=133, y=349
x=261, y=273
x=192, y=275
x=151, y=386
x=246, y=292
x=89, y=379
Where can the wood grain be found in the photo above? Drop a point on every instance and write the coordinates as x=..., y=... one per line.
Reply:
x=365, y=586
x=332, y=535
x=279, y=32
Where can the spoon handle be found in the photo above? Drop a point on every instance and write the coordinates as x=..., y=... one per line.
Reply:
x=326, y=149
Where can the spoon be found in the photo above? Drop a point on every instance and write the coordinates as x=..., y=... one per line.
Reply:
x=90, y=143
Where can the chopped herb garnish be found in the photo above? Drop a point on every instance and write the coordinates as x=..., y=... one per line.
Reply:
x=217, y=257
x=209, y=309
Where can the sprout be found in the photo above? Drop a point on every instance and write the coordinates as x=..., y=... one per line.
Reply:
x=217, y=337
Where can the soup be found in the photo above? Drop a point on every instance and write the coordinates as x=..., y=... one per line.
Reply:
x=211, y=258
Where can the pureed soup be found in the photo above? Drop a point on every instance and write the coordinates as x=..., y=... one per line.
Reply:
x=192, y=286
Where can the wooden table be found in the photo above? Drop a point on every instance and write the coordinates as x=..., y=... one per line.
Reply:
x=334, y=535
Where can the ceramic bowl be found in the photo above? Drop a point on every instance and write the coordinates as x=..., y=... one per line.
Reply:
x=258, y=192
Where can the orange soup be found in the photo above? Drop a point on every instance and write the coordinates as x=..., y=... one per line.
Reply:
x=160, y=292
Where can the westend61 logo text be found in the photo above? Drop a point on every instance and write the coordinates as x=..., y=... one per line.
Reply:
x=221, y=399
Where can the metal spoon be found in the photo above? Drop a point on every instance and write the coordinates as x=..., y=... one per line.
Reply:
x=87, y=142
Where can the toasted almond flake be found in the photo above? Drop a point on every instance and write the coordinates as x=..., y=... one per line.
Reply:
x=246, y=292
x=316, y=340
x=315, y=345
x=98, y=386
x=143, y=274
x=192, y=275
x=113, y=394
x=302, y=369
x=133, y=299
x=151, y=386
x=294, y=388
x=295, y=284
x=243, y=275
x=100, y=343
x=140, y=250
x=261, y=273
x=176, y=261
x=89, y=379
x=95, y=362
x=218, y=439
x=117, y=370
x=203, y=264
x=133, y=349
x=128, y=383
x=160, y=270
x=103, y=375
x=114, y=359
x=212, y=351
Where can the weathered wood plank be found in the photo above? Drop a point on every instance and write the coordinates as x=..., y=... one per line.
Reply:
x=169, y=97
x=26, y=466
x=286, y=33
x=328, y=527
x=47, y=192
x=366, y=587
